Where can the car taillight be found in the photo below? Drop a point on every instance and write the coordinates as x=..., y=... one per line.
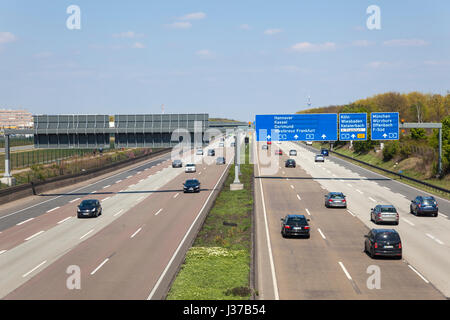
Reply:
x=331, y=200
x=379, y=214
x=376, y=245
x=287, y=227
x=343, y=200
x=306, y=227
x=400, y=245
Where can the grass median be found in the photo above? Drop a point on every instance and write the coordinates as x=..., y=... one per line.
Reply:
x=217, y=266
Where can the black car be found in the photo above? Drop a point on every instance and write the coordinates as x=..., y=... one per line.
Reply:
x=383, y=242
x=220, y=160
x=191, y=185
x=211, y=152
x=177, y=164
x=89, y=208
x=324, y=152
x=424, y=205
x=290, y=163
x=295, y=225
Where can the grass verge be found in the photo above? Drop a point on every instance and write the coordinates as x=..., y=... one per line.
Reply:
x=217, y=266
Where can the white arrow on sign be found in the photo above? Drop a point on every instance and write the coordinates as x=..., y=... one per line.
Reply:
x=268, y=137
x=324, y=136
x=385, y=135
x=296, y=136
x=353, y=136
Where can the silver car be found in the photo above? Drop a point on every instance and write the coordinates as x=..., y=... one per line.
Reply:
x=319, y=158
x=384, y=213
x=336, y=200
x=293, y=152
x=199, y=152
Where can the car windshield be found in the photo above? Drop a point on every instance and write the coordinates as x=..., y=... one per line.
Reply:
x=388, y=209
x=88, y=203
x=176, y=161
x=296, y=221
x=387, y=236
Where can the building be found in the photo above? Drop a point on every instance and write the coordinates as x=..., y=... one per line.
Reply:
x=15, y=119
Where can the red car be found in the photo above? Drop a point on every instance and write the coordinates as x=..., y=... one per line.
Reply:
x=279, y=152
x=269, y=142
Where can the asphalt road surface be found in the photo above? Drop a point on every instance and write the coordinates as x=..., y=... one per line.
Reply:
x=332, y=264
x=131, y=251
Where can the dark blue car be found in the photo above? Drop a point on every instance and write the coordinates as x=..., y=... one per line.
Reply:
x=324, y=152
x=422, y=205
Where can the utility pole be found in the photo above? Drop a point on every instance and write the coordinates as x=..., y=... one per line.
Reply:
x=237, y=185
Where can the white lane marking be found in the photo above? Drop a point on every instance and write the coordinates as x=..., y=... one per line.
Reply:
x=128, y=177
x=434, y=238
x=199, y=173
x=372, y=199
x=163, y=274
x=64, y=220
x=443, y=215
x=141, y=180
x=351, y=213
x=292, y=187
x=101, y=265
x=323, y=236
x=284, y=172
x=106, y=199
x=345, y=271
x=34, y=235
x=137, y=231
x=25, y=221
x=72, y=201
x=118, y=181
x=322, y=187
x=340, y=180
x=34, y=269
x=307, y=211
x=3, y=251
x=106, y=186
x=176, y=195
x=349, y=185
x=119, y=212
x=417, y=272
x=334, y=175
x=359, y=191
x=387, y=188
x=53, y=209
x=84, y=235
x=140, y=198
x=298, y=196
x=131, y=185
x=408, y=222
x=159, y=211
x=93, y=192
x=139, y=172
x=439, y=241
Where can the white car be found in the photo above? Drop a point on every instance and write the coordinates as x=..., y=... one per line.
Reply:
x=319, y=158
x=199, y=152
x=221, y=145
x=190, y=167
x=293, y=152
x=309, y=143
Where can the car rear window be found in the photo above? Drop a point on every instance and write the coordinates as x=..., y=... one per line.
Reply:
x=387, y=236
x=190, y=165
x=428, y=201
x=336, y=196
x=296, y=221
x=388, y=209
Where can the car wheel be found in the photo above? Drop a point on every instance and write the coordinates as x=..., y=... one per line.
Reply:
x=308, y=236
x=283, y=235
x=372, y=254
x=435, y=215
x=410, y=209
x=396, y=223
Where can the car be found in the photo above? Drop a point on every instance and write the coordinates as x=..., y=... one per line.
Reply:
x=335, y=200
x=424, y=205
x=319, y=158
x=177, y=164
x=290, y=163
x=89, y=208
x=293, y=153
x=199, y=152
x=324, y=152
x=220, y=160
x=279, y=152
x=191, y=185
x=384, y=213
x=295, y=225
x=383, y=242
x=211, y=152
x=221, y=145
x=265, y=147
x=190, y=167
x=309, y=143
x=233, y=144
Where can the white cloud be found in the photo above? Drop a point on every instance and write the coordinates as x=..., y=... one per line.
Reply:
x=6, y=37
x=405, y=43
x=244, y=27
x=138, y=45
x=180, y=25
x=128, y=35
x=194, y=16
x=362, y=43
x=204, y=53
x=313, y=47
x=271, y=32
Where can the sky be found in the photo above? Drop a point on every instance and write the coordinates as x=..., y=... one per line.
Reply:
x=231, y=59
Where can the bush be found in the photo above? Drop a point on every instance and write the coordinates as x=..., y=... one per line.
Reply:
x=405, y=150
x=418, y=134
x=390, y=150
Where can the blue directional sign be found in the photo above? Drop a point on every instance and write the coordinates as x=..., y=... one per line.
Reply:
x=297, y=127
x=384, y=125
x=353, y=126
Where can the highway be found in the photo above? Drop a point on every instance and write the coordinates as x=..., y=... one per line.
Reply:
x=332, y=264
x=131, y=251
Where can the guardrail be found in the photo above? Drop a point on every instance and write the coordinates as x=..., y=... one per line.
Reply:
x=393, y=173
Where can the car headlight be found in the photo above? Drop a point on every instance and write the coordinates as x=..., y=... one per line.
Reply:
x=78, y=210
x=93, y=209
